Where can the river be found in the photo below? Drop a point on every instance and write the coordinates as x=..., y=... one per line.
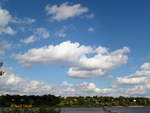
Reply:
x=113, y=109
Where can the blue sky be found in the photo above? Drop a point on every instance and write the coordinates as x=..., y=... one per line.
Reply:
x=98, y=46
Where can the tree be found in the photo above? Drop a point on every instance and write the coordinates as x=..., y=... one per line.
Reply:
x=1, y=72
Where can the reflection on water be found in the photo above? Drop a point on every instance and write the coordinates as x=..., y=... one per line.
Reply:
x=113, y=109
x=97, y=110
x=130, y=109
x=82, y=110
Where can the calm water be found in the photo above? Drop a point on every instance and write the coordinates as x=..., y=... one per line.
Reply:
x=82, y=110
x=131, y=109
x=114, y=109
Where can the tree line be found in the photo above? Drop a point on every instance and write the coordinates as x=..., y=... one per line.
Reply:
x=35, y=101
x=1, y=72
x=80, y=101
x=97, y=101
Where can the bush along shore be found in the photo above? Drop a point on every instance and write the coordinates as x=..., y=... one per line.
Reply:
x=29, y=110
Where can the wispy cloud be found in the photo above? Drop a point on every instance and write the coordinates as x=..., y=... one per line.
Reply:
x=91, y=29
x=25, y=20
x=4, y=46
x=5, y=19
x=63, y=31
x=65, y=11
x=38, y=34
x=90, y=16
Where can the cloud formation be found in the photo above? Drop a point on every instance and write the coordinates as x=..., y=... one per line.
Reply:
x=4, y=46
x=84, y=89
x=38, y=34
x=91, y=29
x=98, y=65
x=65, y=11
x=65, y=51
x=12, y=84
x=25, y=20
x=136, y=84
x=5, y=19
x=82, y=66
x=61, y=33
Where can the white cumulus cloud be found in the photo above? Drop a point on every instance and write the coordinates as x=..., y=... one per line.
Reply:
x=65, y=51
x=100, y=64
x=136, y=84
x=84, y=89
x=13, y=84
x=82, y=66
x=5, y=17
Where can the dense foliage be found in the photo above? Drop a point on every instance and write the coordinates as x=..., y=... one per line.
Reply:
x=96, y=101
x=51, y=100
x=35, y=101
x=1, y=72
x=40, y=110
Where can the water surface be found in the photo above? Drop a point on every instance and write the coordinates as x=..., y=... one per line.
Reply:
x=130, y=109
x=113, y=109
x=82, y=110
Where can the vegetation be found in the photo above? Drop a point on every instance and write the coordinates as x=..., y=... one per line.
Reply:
x=35, y=101
x=96, y=101
x=40, y=110
x=1, y=72
x=54, y=101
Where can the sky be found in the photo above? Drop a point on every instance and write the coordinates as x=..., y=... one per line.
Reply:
x=75, y=47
